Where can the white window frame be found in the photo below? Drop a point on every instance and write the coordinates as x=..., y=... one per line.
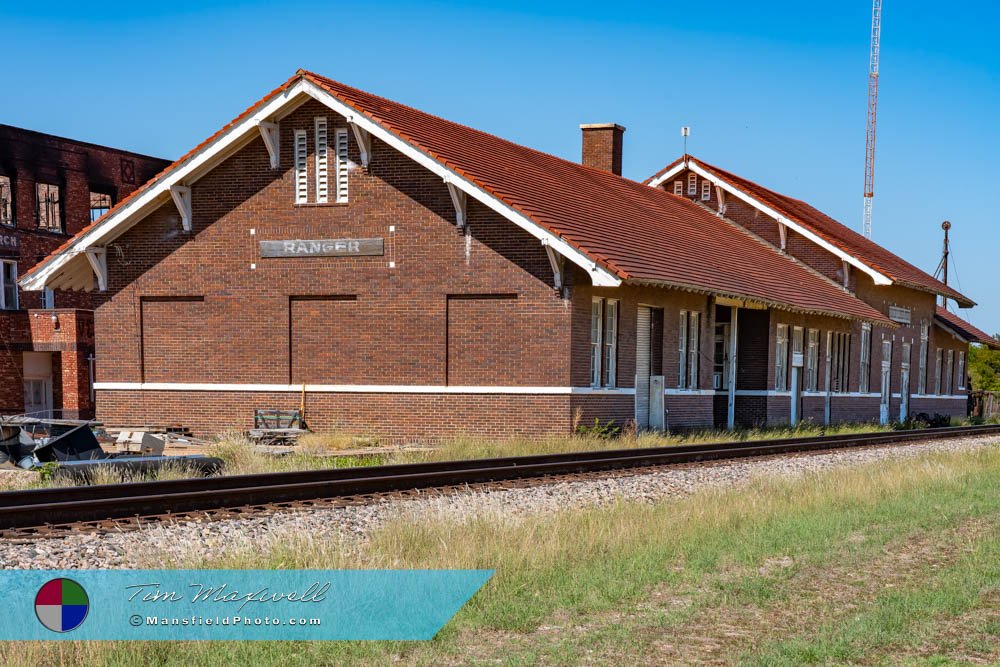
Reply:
x=812, y=360
x=596, y=342
x=8, y=285
x=692, y=183
x=48, y=299
x=682, y=349
x=694, y=350
x=840, y=368
x=865, y=365
x=781, y=358
x=342, y=166
x=960, y=371
x=938, y=362
x=922, y=360
x=301, y=147
x=610, y=370
x=320, y=136
x=706, y=190
x=679, y=187
x=949, y=367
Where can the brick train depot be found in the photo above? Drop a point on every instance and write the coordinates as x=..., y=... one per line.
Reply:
x=415, y=278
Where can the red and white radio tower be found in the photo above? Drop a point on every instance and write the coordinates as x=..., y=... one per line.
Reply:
x=872, y=109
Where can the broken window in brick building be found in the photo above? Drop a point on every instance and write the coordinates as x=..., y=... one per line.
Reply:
x=6, y=201
x=48, y=206
x=100, y=203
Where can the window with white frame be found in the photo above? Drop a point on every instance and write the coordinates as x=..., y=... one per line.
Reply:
x=706, y=190
x=682, y=349
x=6, y=201
x=694, y=350
x=8, y=279
x=865, y=368
x=960, y=373
x=48, y=211
x=688, y=349
x=949, y=379
x=840, y=361
x=798, y=348
x=596, y=336
x=610, y=370
x=922, y=358
x=678, y=187
x=692, y=183
x=812, y=360
x=603, y=342
x=341, y=137
x=938, y=363
x=48, y=298
x=322, y=147
x=781, y=358
x=301, y=167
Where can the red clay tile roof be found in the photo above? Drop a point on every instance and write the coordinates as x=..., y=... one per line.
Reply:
x=966, y=330
x=843, y=237
x=636, y=232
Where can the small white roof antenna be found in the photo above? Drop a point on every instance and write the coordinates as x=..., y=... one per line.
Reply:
x=685, y=132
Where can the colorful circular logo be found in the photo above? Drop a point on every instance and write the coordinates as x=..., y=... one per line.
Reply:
x=61, y=605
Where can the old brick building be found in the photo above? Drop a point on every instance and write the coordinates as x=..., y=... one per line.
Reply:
x=406, y=276
x=50, y=189
x=874, y=374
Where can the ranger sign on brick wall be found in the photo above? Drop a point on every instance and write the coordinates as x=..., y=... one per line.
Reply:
x=321, y=248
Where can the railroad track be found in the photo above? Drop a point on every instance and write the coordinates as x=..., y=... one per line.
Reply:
x=61, y=511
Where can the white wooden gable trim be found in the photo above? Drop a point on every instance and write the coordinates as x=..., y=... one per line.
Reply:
x=188, y=172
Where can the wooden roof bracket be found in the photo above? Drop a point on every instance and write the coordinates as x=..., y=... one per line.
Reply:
x=98, y=258
x=460, y=201
x=556, y=262
x=720, y=194
x=364, y=141
x=783, y=233
x=271, y=134
x=181, y=194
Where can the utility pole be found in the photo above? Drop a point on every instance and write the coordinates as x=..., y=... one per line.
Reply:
x=942, y=269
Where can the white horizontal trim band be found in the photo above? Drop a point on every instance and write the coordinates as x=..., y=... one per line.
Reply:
x=357, y=388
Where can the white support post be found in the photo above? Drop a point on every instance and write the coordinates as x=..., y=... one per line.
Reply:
x=783, y=233
x=98, y=258
x=364, y=142
x=847, y=273
x=181, y=195
x=828, y=384
x=556, y=260
x=461, y=202
x=733, y=337
x=271, y=134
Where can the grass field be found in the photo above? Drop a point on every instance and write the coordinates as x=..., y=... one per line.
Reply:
x=889, y=563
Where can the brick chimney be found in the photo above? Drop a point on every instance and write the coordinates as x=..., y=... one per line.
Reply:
x=602, y=146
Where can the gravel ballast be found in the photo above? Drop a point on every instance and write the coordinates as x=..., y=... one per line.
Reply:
x=150, y=546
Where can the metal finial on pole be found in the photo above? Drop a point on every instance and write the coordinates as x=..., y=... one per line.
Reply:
x=685, y=132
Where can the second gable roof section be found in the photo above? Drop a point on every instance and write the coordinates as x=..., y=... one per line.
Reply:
x=883, y=266
x=614, y=228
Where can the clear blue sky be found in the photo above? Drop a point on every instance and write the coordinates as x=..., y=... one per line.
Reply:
x=774, y=91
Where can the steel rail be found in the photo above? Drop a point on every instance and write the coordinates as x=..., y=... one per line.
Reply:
x=41, y=507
